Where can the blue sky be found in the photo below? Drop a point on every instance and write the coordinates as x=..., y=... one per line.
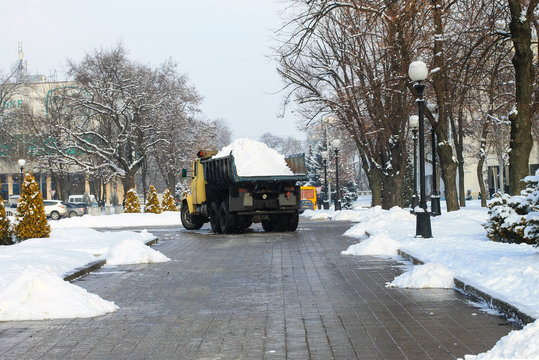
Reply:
x=223, y=46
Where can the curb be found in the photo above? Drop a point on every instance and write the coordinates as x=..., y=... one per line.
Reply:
x=93, y=266
x=508, y=310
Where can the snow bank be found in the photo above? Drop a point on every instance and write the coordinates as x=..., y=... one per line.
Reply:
x=132, y=251
x=253, y=158
x=520, y=344
x=425, y=276
x=37, y=295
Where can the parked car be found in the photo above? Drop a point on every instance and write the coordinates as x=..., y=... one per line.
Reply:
x=11, y=205
x=76, y=209
x=55, y=209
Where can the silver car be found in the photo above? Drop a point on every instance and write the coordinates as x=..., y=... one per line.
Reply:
x=55, y=209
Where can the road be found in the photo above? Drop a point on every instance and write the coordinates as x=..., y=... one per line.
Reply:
x=260, y=296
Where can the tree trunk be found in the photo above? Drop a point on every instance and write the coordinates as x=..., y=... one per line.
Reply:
x=439, y=82
x=449, y=174
x=481, y=162
x=521, y=119
x=388, y=196
x=375, y=183
x=501, y=172
x=171, y=182
x=459, y=148
x=144, y=175
x=128, y=182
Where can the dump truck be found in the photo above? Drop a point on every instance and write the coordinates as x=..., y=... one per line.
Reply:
x=231, y=203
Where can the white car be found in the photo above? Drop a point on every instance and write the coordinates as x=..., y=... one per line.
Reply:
x=55, y=209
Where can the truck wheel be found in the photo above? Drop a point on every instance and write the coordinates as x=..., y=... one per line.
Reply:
x=280, y=222
x=293, y=221
x=214, y=218
x=190, y=222
x=228, y=220
x=267, y=225
x=244, y=222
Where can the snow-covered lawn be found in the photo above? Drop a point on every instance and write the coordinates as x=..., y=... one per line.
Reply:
x=167, y=218
x=459, y=248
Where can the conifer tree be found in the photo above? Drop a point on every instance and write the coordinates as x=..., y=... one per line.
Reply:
x=131, y=202
x=168, y=202
x=152, y=205
x=5, y=228
x=31, y=219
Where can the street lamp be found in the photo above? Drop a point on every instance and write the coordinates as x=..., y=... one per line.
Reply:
x=435, y=197
x=335, y=144
x=418, y=72
x=22, y=162
x=325, y=157
x=414, y=123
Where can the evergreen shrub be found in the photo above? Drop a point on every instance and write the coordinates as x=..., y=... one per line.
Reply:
x=152, y=204
x=30, y=217
x=6, y=233
x=131, y=202
x=515, y=219
x=168, y=204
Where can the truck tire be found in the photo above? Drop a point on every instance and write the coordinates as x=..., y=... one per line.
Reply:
x=190, y=222
x=293, y=220
x=267, y=225
x=244, y=222
x=280, y=222
x=228, y=220
x=214, y=218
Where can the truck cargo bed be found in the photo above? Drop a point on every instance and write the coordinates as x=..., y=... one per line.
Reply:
x=222, y=171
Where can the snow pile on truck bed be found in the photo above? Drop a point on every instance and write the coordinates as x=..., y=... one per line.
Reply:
x=253, y=158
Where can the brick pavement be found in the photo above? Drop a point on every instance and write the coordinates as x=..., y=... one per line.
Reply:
x=260, y=296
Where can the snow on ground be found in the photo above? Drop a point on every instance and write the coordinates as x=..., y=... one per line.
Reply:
x=460, y=247
x=31, y=281
x=166, y=218
x=253, y=158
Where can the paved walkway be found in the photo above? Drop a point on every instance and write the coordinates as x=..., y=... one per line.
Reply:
x=260, y=296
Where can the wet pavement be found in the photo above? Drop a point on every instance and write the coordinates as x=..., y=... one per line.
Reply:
x=260, y=296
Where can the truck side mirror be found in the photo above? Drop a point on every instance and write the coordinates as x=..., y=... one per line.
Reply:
x=184, y=173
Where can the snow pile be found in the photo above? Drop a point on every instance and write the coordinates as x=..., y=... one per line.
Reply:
x=253, y=158
x=520, y=344
x=378, y=245
x=132, y=251
x=37, y=295
x=425, y=276
x=376, y=220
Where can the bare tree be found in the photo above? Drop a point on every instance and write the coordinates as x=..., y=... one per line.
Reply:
x=523, y=22
x=115, y=104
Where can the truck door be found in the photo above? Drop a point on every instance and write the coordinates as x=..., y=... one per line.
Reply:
x=198, y=185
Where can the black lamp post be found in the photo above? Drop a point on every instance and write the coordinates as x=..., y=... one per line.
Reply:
x=414, y=122
x=435, y=197
x=325, y=202
x=418, y=72
x=335, y=144
x=22, y=162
